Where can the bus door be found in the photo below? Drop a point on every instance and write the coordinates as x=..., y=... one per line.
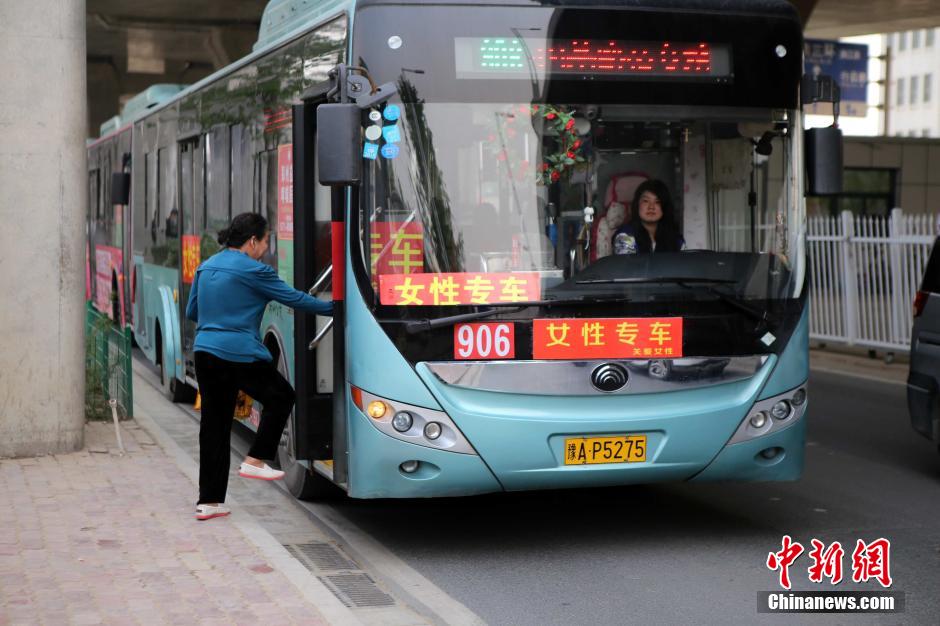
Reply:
x=320, y=415
x=121, y=195
x=188, y=224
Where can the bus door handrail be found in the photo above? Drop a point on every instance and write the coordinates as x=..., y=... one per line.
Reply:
x=324, y=275
x=320, y=335
x=313, y=291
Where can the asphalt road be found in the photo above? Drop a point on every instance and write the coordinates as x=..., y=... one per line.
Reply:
x=689, y=553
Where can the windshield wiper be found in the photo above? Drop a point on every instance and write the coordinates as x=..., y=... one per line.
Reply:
x=760, y=316
x=643, y=280
x=420, y=326
x=691, y=283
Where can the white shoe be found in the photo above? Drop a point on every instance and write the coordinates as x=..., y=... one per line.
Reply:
x=265, y=472
x=208, y=511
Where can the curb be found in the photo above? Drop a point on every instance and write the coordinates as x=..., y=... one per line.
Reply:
x=309, y=586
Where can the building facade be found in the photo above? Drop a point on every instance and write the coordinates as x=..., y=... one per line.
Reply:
x=913, y=98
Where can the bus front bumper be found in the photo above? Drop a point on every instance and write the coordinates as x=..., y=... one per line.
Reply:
x=520, y=442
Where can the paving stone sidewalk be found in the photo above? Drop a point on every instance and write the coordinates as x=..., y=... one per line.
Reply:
x=97, y=537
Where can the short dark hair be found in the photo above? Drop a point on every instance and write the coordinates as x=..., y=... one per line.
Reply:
x=243, y=228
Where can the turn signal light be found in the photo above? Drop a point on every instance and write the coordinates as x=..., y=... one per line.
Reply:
x=377, y=409
x=919, y=301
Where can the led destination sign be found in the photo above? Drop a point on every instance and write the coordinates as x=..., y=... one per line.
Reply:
x=495, y=57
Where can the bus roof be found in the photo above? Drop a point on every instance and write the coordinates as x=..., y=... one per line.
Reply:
x=137, y=106
x=782, y=8
x=281, y=17
x=284, y=20
x=148, y=99
x=109, y=126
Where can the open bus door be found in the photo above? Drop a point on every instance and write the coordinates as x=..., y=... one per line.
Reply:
x=313, y=447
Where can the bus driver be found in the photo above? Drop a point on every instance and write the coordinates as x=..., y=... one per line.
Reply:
x=652, y=227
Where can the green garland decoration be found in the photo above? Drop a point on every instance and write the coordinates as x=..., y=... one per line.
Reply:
x=556, y=165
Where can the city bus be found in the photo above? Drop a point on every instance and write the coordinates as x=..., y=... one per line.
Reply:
x=462, y=180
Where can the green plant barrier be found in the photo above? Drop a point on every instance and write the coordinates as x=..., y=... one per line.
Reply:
x=107, y=366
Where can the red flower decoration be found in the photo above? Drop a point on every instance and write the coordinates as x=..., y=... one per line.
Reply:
x=550, y=116
x=555, y=176
x=544, y=167
x=571, y=154
x=570, y=124
x=576, y=144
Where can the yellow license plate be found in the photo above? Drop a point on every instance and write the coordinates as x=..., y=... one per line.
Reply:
x=595, y=450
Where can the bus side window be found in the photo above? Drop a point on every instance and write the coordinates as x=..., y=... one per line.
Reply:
x=93, y=193
x=266, y=199
x=242, y=175
x=218, y=192
x=162, y=195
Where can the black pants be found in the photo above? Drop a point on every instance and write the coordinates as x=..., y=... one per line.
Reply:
x=219, y=383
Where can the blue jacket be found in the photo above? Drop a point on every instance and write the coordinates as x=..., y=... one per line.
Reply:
x=229, y=294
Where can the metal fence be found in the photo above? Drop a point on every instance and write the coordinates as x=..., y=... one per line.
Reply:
x=864, y=272
x=731, y=231
x=107, y=366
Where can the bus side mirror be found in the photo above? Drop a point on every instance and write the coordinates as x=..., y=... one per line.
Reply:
x=120, y=188
x=823, y=161
x=339, y=144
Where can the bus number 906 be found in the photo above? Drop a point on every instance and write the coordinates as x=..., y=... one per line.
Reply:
x=484, y=341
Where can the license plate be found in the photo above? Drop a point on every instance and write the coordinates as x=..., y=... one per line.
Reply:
x=596, y=450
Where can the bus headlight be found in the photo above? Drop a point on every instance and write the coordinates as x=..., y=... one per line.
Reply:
x=377, y=409
x=432, y=430
x=772, y=415
x=758, y=419
x=418, y=425
x=781, y=410
x=402, y=421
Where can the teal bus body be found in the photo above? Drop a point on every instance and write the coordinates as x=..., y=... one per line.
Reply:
x=199, y=155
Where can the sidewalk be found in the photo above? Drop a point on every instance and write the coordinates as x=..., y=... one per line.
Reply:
x=95, y=537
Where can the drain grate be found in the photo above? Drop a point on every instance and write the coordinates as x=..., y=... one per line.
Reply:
x=357, y=590
x=321, y=555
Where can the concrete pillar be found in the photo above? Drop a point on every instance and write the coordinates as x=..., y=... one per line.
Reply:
x=42, y=224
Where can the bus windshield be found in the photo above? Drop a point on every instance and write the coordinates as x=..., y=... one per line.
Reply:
x=508, y=202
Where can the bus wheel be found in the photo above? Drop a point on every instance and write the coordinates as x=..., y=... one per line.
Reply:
x=302, y=481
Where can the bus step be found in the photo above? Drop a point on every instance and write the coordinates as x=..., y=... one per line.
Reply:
x=324, y=468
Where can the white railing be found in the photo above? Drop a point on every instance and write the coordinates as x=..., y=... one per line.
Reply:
x=732, y=232
x=863, y=275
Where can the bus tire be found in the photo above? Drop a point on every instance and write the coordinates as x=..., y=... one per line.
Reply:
x=302, y=481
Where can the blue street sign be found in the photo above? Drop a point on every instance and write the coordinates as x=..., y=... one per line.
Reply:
x=847, y=63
